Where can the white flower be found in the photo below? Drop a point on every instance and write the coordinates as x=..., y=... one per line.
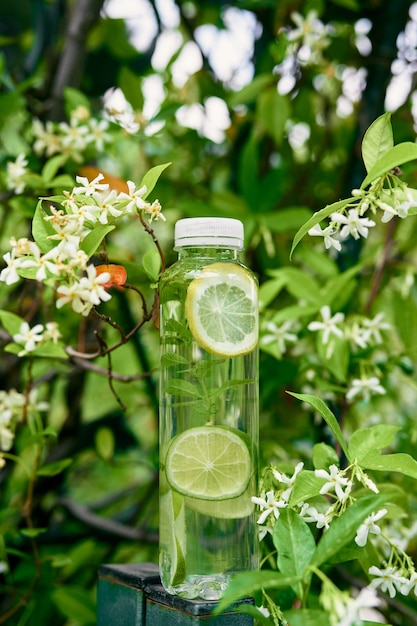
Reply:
x=334, y=480
x=280, y=334
x=355, y=609
x=118, y=110
x=106, y=205
x=74, y=137
x=47, y=140
x=310, y=514
x=264, y=611
x=359, y=335
x=91, y=286
x=375, y=325
x=44, y=263
x=327, y=233
x=328, y=325
x=400, y=209
x=9, y=274
x=97, y=134
x=268, y=505
x=364, y=387
x=409, y=584
x=74, y=295
x=282, y=478
x=353, y=224
x=154, y=210
x=6, y=438
x=28, y=337
x=134, y=197
x=52, y=332
x=369, y=526
x=388, y=580
x=89, y=187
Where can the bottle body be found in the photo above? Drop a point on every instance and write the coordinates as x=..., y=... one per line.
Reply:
x=207, y=532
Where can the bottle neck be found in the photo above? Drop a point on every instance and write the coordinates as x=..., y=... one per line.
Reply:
x=208, y=252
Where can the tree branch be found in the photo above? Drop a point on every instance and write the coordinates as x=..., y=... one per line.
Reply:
x=70, y=67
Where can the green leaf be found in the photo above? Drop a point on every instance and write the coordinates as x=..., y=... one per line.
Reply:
x=11, y=322
x=42, y=229
x=74, y=99
x=343, y=529
x=33, y=532
x=172, y=358
x=307, y=486
x=317, y=218
x=377, y=140
x=151, y=178
x=366, y=444
x=93, y=240
x=50, y=350
x=52, y=469
x=51, y=167
x=248, y=583
x=179, y=387
x=131, y=85
x=272, y=112
x=324, y=456
x=105, y=444
x=325, y=412
x=251, y=91
x=151, y=262
x=396, y=156
x=373, y=439
x=269, y=290
x=249, y=609
x=75, y=603
x=295, y=545
x=307, y=617
x=336, y=359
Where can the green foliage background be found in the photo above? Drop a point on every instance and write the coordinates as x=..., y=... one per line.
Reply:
x=101, y=506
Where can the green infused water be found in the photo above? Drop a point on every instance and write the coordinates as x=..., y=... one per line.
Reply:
x=208, y=412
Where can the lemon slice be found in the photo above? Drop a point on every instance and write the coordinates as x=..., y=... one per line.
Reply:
x=208, y=462
x=221, y=309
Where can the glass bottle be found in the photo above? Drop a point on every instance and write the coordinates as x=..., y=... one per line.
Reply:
x=208, y=411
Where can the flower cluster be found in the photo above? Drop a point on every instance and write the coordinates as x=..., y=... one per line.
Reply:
x=60, y=257
x=273, y=501
x=394, y=201
x=12, y=405
x=73, y=139
x=29, y=338
x=362, y=332
x=337, y=489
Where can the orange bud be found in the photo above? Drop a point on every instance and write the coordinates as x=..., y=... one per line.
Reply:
x=118, y=274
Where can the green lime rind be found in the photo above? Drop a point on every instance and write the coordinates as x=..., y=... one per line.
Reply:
x=172, y=536
x=233, y=508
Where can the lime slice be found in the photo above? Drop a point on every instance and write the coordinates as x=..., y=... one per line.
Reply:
x=221, y=309
x=233, y=508
x=173, y=537
x=208, y=462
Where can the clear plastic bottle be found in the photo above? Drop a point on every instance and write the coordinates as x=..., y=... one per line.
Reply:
x=208, y=411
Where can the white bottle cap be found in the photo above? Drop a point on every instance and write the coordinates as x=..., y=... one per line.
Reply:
x=224, y=232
